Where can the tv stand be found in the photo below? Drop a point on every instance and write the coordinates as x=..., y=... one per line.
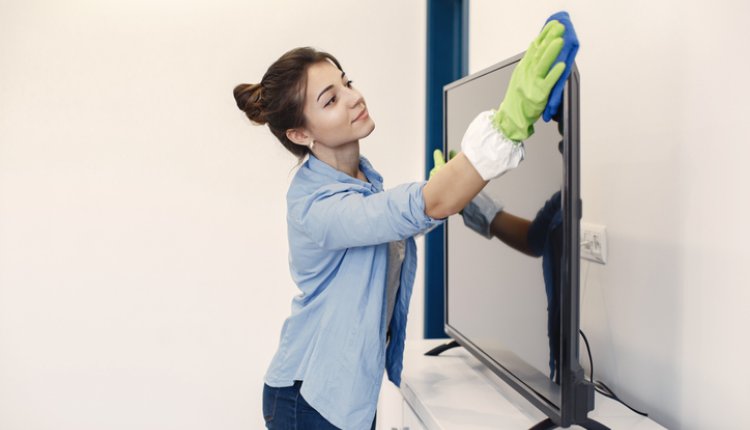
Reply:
x=434, y=352
x=455, y=391
x=547, y=424
x=589, y=424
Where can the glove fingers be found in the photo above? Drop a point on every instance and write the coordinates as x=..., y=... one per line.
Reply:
x=437, y=158
x=543, y=44
x=557, y=29
x=452, y=154
x=548, y=57
x=553, y=76
x=553, y=28
x=540, y=40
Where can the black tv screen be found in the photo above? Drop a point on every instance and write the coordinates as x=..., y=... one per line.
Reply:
x=518, y=311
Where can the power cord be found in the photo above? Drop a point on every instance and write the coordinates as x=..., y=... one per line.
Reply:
x=600, y=386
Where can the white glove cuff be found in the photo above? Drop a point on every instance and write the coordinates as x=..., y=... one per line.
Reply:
x=488, y=150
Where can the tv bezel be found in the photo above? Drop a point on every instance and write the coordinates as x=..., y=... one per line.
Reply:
x=576, y=394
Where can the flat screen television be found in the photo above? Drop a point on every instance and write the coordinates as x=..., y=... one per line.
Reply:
x=500, y=304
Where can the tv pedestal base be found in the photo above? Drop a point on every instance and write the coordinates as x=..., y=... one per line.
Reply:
x=455, y=391
x=434, y=352
x=588, y=425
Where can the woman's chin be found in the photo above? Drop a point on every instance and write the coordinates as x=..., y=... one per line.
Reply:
x=370, y=128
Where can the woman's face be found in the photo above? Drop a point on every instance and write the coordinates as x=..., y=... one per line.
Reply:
x=336, y=113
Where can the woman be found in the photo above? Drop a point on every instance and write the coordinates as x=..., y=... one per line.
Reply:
x=352, y=249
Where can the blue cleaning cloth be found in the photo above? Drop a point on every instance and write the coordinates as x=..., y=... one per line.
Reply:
x=567, y=55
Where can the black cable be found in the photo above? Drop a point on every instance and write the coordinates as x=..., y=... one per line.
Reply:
x=600, y=386
x=591, y=360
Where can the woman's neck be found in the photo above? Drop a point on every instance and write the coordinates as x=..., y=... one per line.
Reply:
x=344, y=158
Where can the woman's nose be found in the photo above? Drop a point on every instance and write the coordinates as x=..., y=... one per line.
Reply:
x=355, y=98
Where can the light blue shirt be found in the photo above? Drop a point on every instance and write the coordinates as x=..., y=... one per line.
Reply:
x=335, y=338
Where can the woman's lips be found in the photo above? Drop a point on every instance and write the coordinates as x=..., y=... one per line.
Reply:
x=361, y=115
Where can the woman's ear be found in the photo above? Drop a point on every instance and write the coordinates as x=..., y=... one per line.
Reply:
x=298, y=136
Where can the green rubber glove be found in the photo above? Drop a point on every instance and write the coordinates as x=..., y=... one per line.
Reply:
x=437, y=157
x=530, y=84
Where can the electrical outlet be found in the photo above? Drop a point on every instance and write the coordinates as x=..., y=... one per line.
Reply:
x=594, y=242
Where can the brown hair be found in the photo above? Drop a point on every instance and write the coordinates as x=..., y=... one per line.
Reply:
x=278, y=100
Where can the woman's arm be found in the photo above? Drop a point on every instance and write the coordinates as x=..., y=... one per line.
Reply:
x=487, y=217
x=491, y=144
x=452, y=188
x=512, y=231
x=335, y=216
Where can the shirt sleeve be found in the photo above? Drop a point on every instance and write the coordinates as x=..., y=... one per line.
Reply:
x=345, y=218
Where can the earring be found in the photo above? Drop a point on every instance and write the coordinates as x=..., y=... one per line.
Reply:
x=312, y=143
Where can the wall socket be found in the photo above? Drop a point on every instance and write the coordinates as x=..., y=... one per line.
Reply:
x=594, y=242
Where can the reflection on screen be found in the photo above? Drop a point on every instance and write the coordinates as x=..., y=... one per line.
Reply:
x=497, y=296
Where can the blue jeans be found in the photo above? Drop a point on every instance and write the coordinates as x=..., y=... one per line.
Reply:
x=285, y=409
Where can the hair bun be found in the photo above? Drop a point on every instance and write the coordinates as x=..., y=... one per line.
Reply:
x=248, y=98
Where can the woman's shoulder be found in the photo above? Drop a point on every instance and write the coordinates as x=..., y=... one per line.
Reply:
x=312, y=181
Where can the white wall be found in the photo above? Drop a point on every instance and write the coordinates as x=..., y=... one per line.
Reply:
x=143, y=255
x=664, y=167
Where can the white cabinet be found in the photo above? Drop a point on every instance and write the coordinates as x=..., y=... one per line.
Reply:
x=456, y=392
x=394, y=412
x=411, y=420
x=390, y=407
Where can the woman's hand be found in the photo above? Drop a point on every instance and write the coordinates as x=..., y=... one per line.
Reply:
x=437, y=158
x=530, y=85
x=451, y=186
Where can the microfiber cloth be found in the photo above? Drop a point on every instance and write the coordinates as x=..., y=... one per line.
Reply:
x=567, y=55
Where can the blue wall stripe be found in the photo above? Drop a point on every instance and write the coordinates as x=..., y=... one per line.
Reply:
x=447, y=61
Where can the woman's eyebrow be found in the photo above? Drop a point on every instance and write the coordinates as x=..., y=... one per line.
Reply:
x=328, y=87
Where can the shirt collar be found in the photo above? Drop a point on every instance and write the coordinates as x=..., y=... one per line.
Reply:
x=376, y=180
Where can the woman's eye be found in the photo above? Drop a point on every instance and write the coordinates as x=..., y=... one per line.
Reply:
x=333, y=99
